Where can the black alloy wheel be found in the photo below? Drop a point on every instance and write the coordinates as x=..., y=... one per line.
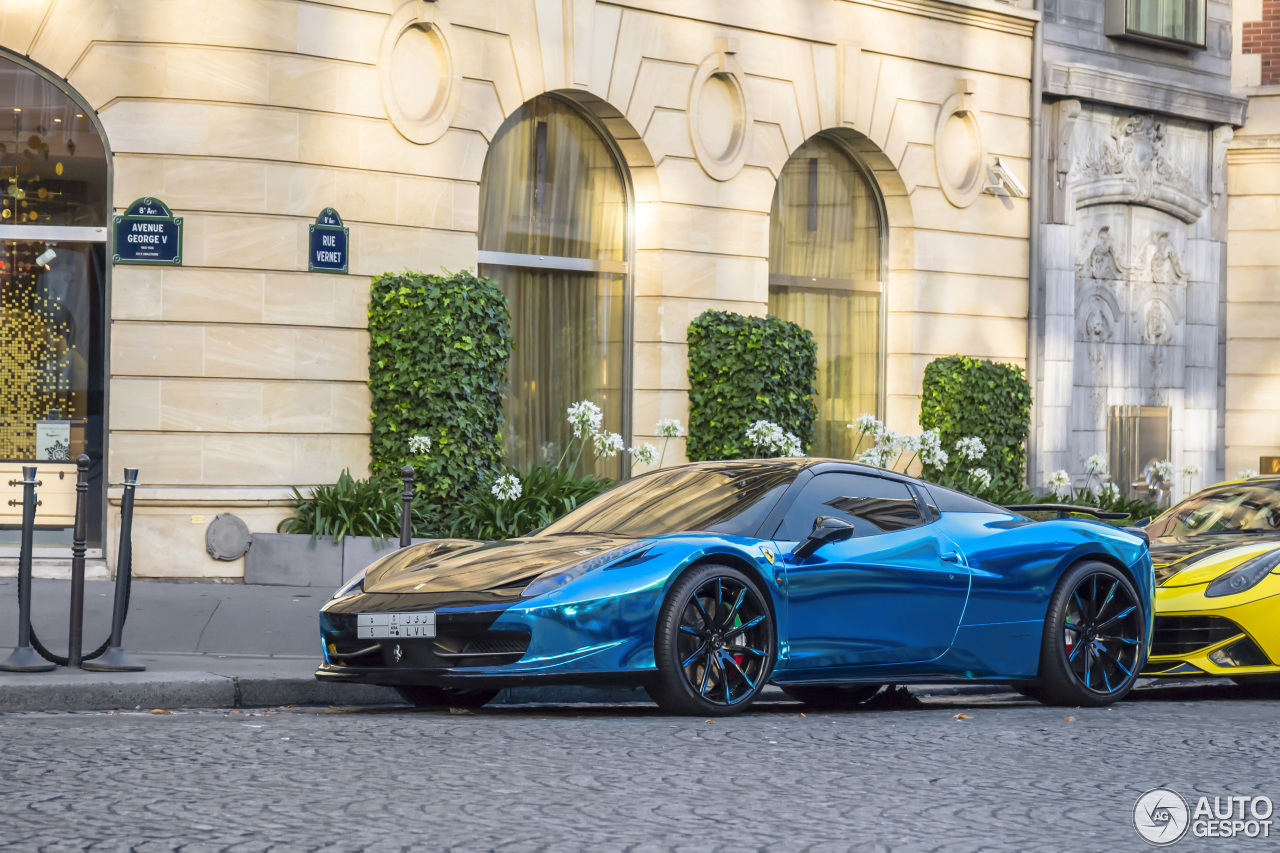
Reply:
x=714, y=645
x=445, y=697
x=832, y=697
x=1095, y=636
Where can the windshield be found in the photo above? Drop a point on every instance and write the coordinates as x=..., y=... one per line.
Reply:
x=729, y=499
x=1241, y=508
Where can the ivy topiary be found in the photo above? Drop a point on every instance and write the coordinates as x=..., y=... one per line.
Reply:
x=438, y=352
x=964, y=397
x=744, y=369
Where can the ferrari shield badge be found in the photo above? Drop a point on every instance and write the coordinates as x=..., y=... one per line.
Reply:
x=768, y=555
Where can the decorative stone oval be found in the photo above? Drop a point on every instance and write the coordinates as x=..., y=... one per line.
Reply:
x=719, y=116
x=958, y=152
x=419, y=77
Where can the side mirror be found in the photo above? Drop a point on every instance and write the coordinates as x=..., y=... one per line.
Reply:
x=826, y=529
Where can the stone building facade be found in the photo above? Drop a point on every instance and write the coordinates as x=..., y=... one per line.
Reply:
x=1130, y=321
x=239, y=373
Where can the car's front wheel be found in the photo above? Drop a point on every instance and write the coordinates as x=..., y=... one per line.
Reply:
x=1095, y=634
x=445, y=697
x=832, y=696
x=714, y=645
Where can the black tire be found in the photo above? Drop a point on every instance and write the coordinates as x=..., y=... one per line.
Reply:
x=715, y=644
x=832, y=697
x=1095, y=636
x=445, y=697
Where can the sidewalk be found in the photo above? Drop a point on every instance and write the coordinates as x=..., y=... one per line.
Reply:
x=205, y=645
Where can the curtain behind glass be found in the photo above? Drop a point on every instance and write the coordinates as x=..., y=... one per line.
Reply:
x=551, y=187
x=825, y=225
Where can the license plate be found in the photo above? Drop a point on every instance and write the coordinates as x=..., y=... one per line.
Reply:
x=377, y=626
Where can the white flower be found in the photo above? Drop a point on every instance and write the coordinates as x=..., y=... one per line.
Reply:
x=586, y=418
x=764, y=434
x=1246, y=474
x=872, y=457
x=938, y=459
x=971, y=448
x=866, y=425
x=1096, y=464
x=931, y=452
x=908, y=444
x=790, y=446
x=507, y=488
x=982, y=477
x=645, y=454
x=1164, y=469
x=669, y=428
x=419, y=444
x=608, y=444
x=1060, y=484
x=1191, y=470
x=1109, y=492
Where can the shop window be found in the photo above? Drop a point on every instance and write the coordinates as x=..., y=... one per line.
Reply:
x=1175, y=22
x=53, y=216
x=553, y=212
x=825, y=274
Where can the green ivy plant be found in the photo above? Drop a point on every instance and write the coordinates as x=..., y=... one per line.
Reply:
x=746, y=369
x=438, y=352
x=543, y=493
x=969, y=397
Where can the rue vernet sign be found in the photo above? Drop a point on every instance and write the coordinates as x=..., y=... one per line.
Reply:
x=327, y=249
x=148, y=233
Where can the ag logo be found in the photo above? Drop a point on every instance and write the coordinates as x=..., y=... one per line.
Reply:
x=1161, y=816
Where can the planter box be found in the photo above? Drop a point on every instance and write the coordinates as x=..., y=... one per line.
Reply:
x=293, y=559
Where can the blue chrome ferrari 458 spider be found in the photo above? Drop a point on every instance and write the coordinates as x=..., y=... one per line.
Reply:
x=705, y=582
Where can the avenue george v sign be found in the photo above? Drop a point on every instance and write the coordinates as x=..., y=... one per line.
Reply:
x=148, y=233
x=327, y=247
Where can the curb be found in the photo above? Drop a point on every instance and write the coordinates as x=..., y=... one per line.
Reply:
x=77, y=691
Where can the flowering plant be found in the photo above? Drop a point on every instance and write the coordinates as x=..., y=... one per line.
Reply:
x=1060, y=484
x=773, y=440
x=645, y=454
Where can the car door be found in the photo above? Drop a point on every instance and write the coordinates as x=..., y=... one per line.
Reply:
x=892, y=594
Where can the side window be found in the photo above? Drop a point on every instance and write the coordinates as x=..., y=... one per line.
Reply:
x=871, y=504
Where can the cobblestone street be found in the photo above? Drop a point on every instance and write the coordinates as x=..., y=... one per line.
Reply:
x=1016, y=776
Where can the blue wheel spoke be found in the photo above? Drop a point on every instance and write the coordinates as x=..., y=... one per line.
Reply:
x=689, y=661
x=729, y=635
x=1076, y=650
x=1124, y=640
x=706, y=673
x=733, y=611
x=724, y=676
x=1120, y=615
x=699, y=634
x=1128, y=673
x=702, y=611
x=1115, y=584
x=750, y=684
x=745, y=650
x=1105, y=680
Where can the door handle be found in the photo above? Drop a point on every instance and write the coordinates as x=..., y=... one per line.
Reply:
x=951, y=557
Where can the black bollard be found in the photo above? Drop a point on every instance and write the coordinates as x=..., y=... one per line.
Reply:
x=24, y=657
x=114, y=659
x=406, y=507
x=78, y=536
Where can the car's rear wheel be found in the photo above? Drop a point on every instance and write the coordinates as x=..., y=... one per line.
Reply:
x=832, y=696
x=445, y=697
x=1095, y=634
x=714, y=645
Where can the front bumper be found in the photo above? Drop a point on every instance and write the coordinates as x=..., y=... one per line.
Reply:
x=570, y=636
x=1248, y=630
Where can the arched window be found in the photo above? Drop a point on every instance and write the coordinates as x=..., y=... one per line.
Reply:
x=825, y=236
x=53, y=217
x=553, y=212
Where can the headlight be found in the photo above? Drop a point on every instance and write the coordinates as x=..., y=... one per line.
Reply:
x=351, y=587
x=556, y=578
x=1245, y=576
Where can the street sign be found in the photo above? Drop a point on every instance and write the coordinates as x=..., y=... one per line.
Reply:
x=148, y=233
x=327, y=249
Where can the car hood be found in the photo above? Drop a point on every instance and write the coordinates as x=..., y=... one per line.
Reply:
x=463, y=565
x=1191, y=560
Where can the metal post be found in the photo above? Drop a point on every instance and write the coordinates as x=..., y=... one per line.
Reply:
x=114, y=659
x=24, y=657
x=78, y=536
x=406, y=507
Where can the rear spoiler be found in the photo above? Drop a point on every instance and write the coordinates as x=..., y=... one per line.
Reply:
x=1063, y=510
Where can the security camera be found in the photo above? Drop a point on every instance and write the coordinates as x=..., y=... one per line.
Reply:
x=1001, y=181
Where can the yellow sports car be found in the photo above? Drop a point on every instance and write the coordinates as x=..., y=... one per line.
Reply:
x=1217, y=562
